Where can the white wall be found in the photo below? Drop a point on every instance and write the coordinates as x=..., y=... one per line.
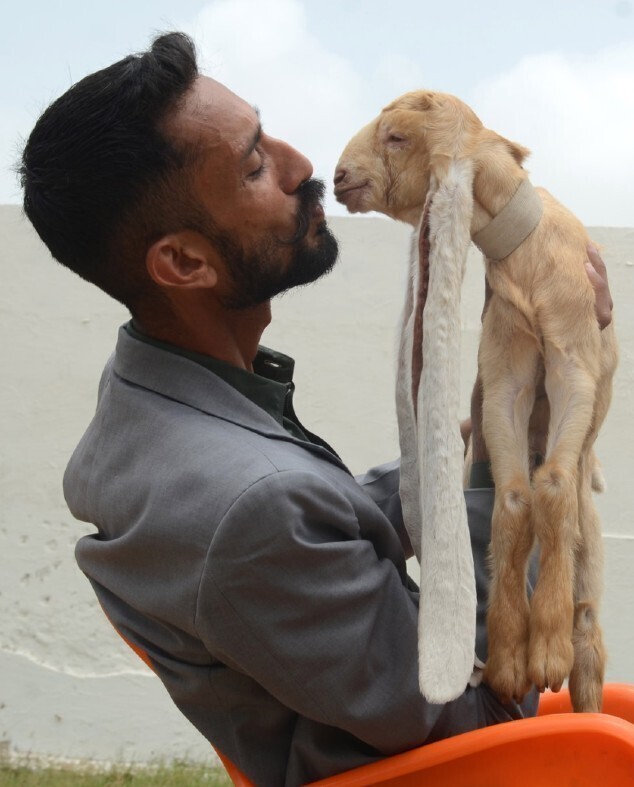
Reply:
x=69, y=687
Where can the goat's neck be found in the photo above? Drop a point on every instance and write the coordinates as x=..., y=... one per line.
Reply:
x=497, y=179
x=410, y=215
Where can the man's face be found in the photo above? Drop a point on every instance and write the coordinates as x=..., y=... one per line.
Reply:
x=269, y=225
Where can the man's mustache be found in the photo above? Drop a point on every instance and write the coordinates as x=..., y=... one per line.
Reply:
x=310, y=194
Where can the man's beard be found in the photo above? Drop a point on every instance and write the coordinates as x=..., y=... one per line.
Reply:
x=260, y=274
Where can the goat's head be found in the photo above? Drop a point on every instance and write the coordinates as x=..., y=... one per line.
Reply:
x=388, y=164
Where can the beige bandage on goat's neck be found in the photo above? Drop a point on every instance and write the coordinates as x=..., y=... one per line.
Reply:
x=432, y=451
x=513, y=224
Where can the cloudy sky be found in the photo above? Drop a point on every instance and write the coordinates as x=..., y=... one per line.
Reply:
x=555, y=75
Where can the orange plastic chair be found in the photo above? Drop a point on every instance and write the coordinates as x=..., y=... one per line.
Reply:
x=618, y=700
x=555, y=749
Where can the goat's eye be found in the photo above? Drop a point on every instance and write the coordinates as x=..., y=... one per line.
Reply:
x=397, y=140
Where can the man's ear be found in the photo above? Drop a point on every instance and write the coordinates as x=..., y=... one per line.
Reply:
x=182, y=259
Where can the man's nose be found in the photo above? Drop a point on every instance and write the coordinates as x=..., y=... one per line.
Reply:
x=293, y=166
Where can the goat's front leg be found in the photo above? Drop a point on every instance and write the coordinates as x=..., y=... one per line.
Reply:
x=508, y=369
x=571, y=391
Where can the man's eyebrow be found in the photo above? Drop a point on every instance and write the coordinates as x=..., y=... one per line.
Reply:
x=257, y=135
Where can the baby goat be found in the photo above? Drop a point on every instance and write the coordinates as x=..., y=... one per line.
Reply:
x=540, y=323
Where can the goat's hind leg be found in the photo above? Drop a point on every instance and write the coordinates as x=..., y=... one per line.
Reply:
x=508, y=370
x=571, y=391
x=586, y=678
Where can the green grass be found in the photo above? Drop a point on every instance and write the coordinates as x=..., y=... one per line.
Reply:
x=172, y=776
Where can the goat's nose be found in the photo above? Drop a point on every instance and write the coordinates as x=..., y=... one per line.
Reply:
x=340, y=175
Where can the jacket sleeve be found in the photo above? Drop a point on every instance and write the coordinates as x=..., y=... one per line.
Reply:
x=293, y=596
x=382, y=484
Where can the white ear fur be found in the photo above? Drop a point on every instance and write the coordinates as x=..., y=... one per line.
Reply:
x=431, y=445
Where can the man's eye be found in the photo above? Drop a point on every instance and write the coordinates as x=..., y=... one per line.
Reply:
x=256, y=172
x=259, y=165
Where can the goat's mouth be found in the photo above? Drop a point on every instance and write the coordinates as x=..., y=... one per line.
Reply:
x=352, y=195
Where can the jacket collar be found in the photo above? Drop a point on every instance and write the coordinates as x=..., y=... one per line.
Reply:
x=183, y=380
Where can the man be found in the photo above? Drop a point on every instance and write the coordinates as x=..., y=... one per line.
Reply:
x=267, y=587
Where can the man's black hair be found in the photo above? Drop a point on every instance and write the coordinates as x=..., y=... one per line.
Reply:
x=101, y=180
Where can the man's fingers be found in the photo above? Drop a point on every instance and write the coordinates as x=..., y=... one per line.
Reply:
x=597, y=273
x=465, y=431
x=594, y=276
x=597, y=262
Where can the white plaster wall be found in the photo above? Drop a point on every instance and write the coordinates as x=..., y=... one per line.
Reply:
x=68, y=687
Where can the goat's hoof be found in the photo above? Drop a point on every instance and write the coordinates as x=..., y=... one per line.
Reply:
x=586, y=691
x=588, y=700
x=505, y=673
x=550, y=662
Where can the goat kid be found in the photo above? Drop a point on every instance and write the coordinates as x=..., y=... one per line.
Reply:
x=540, y=323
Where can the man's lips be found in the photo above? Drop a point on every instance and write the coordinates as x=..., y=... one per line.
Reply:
x=318, y=212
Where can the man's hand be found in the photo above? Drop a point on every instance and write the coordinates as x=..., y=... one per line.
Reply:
x=479, y=451
x=538, y=426
x=598, y=275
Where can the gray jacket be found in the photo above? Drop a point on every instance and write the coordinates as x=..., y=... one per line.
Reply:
x=266, y=584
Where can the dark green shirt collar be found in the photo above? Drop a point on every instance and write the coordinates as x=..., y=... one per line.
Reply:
x=270, y=385
x=267, y=386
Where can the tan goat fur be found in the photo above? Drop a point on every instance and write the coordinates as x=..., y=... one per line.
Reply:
x=540, y=321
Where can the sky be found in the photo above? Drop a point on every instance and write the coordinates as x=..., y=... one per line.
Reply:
x=555, y=75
